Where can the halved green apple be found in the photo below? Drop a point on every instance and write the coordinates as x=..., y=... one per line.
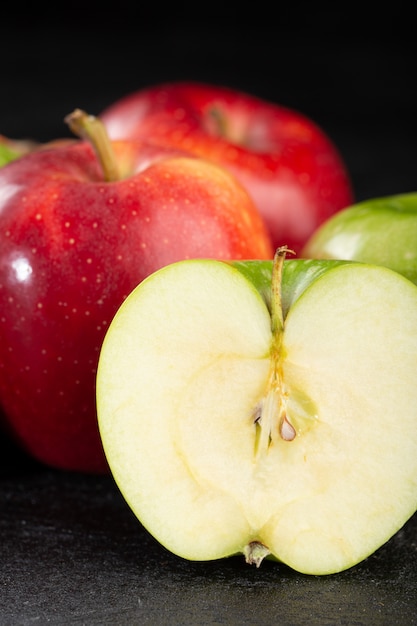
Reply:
x=265, y=408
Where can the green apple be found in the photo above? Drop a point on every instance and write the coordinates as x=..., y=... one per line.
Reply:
x=11, y=149
x=6, y=154
x=265, y=408
x=382, y=231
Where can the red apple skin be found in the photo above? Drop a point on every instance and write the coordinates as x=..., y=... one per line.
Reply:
x=72, y=247
x=291, y=168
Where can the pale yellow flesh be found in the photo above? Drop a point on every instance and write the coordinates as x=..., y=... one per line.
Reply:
x=182, y=372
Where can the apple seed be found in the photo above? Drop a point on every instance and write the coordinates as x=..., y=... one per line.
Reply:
x=287, y=430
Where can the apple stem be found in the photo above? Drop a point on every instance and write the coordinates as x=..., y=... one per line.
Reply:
x=92, y=129
x=277, y=318
x=219, y=122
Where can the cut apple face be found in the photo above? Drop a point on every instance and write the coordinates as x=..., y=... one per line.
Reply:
x=232, y=425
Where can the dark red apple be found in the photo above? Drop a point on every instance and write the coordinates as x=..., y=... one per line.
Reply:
x=290, y=167
x=77, y=234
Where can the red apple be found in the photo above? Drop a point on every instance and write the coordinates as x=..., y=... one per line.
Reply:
x=76, y=236
x=290, y=166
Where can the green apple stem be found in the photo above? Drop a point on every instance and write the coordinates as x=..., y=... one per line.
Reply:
x=271, y=417
x=277, y=318
x=92, y=129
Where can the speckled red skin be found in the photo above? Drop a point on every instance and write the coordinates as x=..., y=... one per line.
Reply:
x=72, y=247
x=291, y=168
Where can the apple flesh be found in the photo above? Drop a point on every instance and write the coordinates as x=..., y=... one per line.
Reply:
x=381, y=231
x=280, y=424
x=73, y=244
x=290, y=167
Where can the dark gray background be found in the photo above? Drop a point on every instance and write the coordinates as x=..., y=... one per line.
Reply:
x=70, y=550
x=352, y=71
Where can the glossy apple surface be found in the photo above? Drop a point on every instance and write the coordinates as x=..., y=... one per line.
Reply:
x=291, y=168
x=72, y=247
x=283, y=427
x=382, y=231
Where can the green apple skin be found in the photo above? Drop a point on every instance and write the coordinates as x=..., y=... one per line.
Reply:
x=182, y=387
x=297, y=275
x=6, y=155
x=381, y=231
x=12, y=149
